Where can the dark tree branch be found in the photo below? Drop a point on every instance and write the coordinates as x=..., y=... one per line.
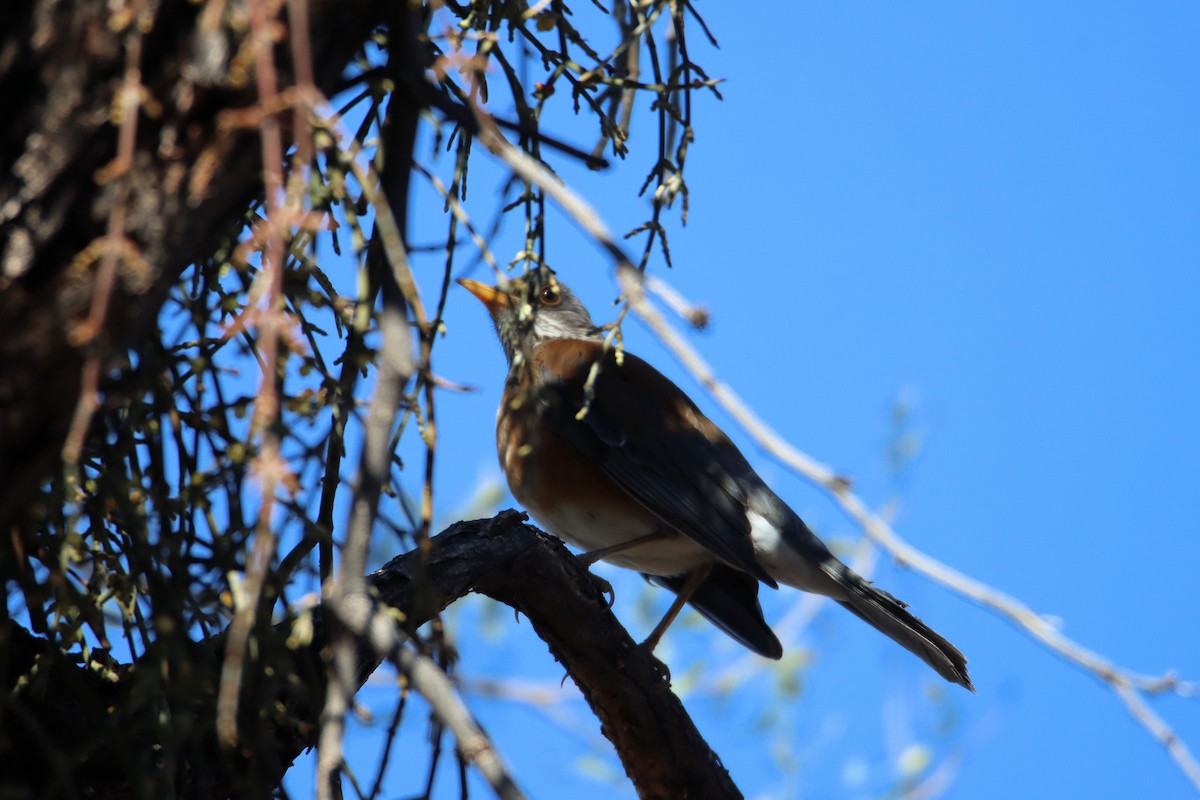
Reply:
x=663, y=753
x=101, y=729
x=659, y=746
x=192, y=177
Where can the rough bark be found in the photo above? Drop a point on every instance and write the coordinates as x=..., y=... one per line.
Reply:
x=191, y=179
x=62, y=737
x=100, y=729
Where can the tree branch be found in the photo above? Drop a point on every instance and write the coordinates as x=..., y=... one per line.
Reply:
x=1129, y=687
x=659, y=746
x=192, y=174
x=662, y=752
x=387, y=261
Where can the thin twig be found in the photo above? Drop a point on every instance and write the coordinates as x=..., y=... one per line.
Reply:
x=531, y=170
x=359, y=616
x=387, y=259
x=127, y=108
x=696, y=315
x=271, y=467
x=1128, y=686
x=396, y=367
x=460, y=213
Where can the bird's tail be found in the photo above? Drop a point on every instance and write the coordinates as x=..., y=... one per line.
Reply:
x=889, y=616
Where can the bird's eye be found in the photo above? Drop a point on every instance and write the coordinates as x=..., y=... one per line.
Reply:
x=550, y=296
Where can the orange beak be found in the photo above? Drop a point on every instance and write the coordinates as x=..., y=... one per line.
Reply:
x=490, y=296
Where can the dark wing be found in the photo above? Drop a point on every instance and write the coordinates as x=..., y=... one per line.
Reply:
x=644, y=433
x=729, y=599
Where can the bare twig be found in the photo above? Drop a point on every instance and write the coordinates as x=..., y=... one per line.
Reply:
x=696, y=315
x=388, y=260
x=126, y=110
x=396, y=367
x=460, y=213
x=531, y=170
x=270, y=464
x=378, y=627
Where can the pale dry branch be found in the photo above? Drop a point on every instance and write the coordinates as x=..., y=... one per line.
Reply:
x=360, y=616
x=271, y=467
x=696, y=315
x=387, y=258
x=1127, y=685
x=396, y=368
x=127, y=107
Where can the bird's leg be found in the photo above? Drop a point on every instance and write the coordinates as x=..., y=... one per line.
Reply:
x=695, y=578
x=593, y=556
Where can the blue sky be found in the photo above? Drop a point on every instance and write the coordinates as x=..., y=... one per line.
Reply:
x=992, y=212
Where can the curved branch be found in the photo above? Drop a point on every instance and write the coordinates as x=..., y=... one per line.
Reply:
x=1129, y=686
x=663, y=754
x=658, y=744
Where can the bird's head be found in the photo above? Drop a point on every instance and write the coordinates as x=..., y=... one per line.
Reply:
x=532, y=309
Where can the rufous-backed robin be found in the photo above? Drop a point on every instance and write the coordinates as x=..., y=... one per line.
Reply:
x=612, y=457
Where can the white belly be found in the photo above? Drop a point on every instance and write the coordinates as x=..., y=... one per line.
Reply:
x=588, y=530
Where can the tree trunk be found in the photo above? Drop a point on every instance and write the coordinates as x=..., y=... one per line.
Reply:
x=100, y=212
x=189, y=182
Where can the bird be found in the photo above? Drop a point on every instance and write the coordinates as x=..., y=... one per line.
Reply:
x=609, y=455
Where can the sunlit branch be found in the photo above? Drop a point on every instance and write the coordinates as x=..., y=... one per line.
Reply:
x=1128, y=686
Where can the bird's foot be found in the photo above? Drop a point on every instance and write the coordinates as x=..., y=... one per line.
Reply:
x=604, y=588
x=660, y=667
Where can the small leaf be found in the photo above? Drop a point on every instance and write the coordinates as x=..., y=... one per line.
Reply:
x=914, y=760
